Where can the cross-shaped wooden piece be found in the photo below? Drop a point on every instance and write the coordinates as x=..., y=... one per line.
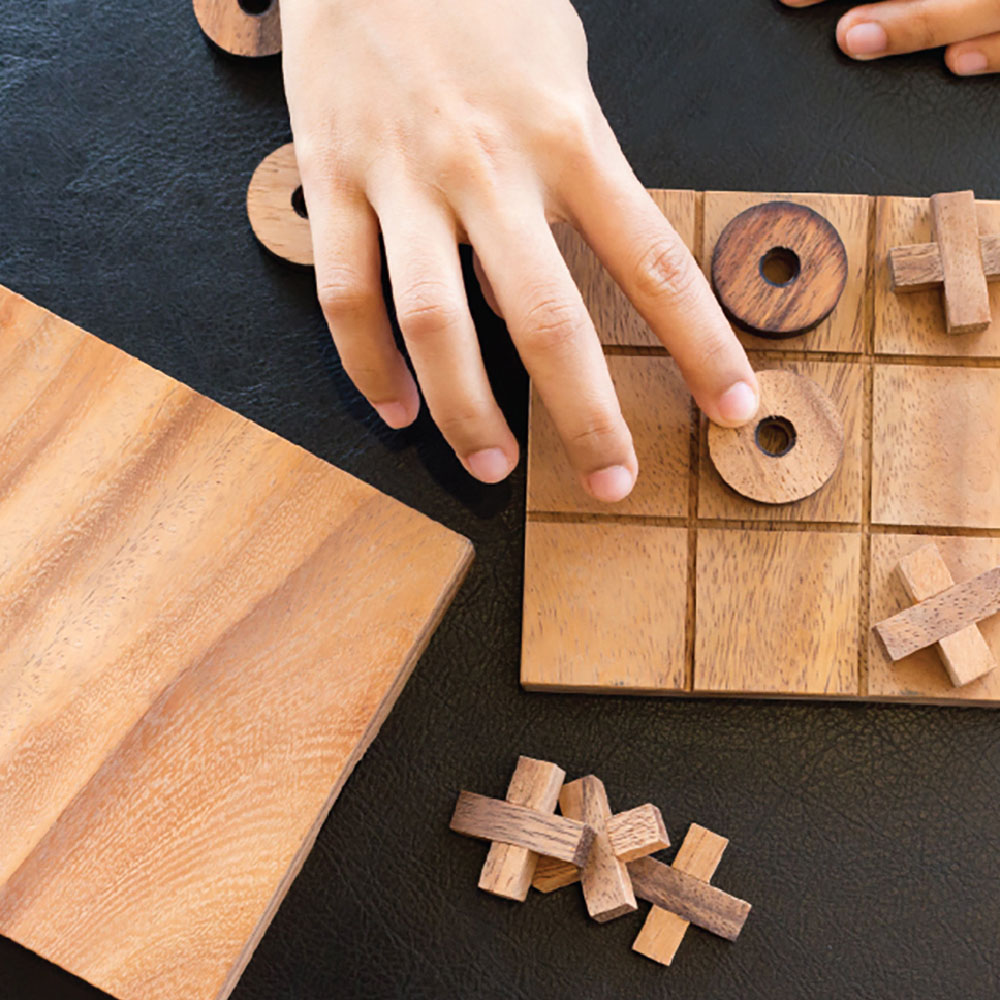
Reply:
x=960, y=260
x=619, y=839
x=947, y=614
x=663, y=931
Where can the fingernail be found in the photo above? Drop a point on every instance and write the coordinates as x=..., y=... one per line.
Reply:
x=489, y=465
x=394, y=414
x=738, y=403
x=611, y=484
x=970, y=63
x=867, y=39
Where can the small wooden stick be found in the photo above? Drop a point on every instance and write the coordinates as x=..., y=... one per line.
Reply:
x=509, y=869
x=607, y=890
x=943, y=615
x=663, y=931
x=633, y=834
x=491, y=819
x=966, y=297
x=965, y=654
x=917, y=268
x=702, y=904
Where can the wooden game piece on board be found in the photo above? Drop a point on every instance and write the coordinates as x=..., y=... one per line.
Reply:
x=947, y=613
x=493, y=819
x=789, y=450
x=607, y=890
x=694, y=899
x=241, y=27
x=633, y=834
x=508, y=869
x=779, y=269
x=960, y=259
x=277, y=210
x=918, y=267
x=662, y=933
x=203, y=627
x=965, y=654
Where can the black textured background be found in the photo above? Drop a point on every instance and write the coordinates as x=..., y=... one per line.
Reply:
x=866, y=837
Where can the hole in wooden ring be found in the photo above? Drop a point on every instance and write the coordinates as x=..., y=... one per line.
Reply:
x=775, y=436
x=255, y=8
x=780, y=266
x=299, y=203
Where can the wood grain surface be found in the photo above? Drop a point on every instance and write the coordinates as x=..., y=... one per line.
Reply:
x=508, y=869
x=945, y=614
x=956, y=230
x=662, y=933
x=491, y=819
x=846, y=328
x=607, y=890
x=239, y=32
x=809, y=455
x=915, y=323
x=694, y=899
x=270, y=207
x=203, y=628
x=807, y=273
x=936, y=446
x=605, y=607
x=918, y=267
x=965, y=655
x=777, y=612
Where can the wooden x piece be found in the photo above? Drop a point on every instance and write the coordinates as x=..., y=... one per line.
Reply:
x=491, y=819
x=607, y=889
x=663, y=931
x=509, y=868
x=944, y=615
x=960, y=260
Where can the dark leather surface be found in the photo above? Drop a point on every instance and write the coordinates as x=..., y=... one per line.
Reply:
x=866, y=837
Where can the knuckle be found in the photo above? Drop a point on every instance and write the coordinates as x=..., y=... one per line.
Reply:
x=345, y=292
x=601, y=433
x=425, y=308
x=551, y=323
x=665, y=270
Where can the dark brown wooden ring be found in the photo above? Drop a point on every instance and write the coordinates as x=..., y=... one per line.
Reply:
x=241, y=27
x=779, y=269
x=793, y=407
x=277, y=210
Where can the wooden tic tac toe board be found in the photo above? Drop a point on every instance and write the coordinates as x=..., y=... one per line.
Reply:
x=202, y=627
x=687, y=587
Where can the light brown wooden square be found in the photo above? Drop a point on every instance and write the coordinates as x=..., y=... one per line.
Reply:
x=936, y=446
x=605, y=606
x=922, y=675
x=777, y=612
x=616, y=320
x=844, y=329
x=914, y=323
x=657, y=408
x=841, y=499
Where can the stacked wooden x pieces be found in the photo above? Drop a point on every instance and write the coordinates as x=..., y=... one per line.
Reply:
x=607, y=853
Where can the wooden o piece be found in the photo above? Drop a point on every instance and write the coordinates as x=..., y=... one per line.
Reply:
x=274, y=190
x=779, y=269
x=238, y=28
x=796, y=409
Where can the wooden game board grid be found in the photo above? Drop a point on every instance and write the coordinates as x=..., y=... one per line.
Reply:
x=694, y=524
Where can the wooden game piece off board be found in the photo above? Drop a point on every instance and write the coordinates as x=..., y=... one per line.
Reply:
x=688, y=588
x=202, y=627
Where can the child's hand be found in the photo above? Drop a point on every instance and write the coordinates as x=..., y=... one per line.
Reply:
x=969, y=28
x=473, y=120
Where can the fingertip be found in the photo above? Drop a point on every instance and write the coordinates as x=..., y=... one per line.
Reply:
x=401, y=412
x=738, y=405
x=490, y=465
x=862, y=39
x=966, y=61
x=610, y=485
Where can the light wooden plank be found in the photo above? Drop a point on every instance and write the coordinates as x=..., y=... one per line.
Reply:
x=203, y=627
x=966, y=297
x=508, y=869
x=918, y=267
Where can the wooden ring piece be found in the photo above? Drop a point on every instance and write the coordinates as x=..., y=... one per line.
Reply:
x=275, y=207
x=241, y=27
x=796, y=412
x=779, y=269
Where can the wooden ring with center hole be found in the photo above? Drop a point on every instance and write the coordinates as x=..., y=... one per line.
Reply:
x=237, y=31
x=812, y=454
x=271, y=209
x=779, y=269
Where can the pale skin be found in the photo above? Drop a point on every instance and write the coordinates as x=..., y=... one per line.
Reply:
x=474, y=121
